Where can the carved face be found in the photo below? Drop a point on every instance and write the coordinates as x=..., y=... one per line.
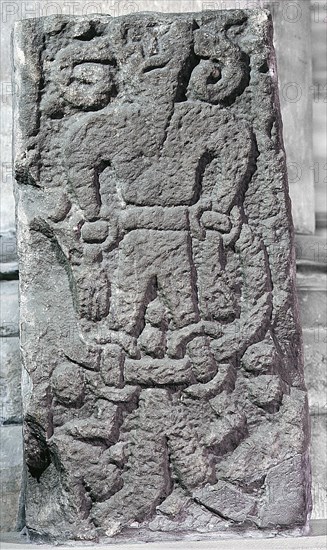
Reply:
x=166, y=63
x=90, y=85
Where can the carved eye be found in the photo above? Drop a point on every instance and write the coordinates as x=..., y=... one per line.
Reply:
x=215, y=74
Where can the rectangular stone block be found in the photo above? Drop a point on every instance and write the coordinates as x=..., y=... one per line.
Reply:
x=315, y=368
x=8, y=249
x=11, y=478
x=164, y=392
x=311, y=251
x=10, y=382
x=312, y=297
x=9, y=322
x=319, y=465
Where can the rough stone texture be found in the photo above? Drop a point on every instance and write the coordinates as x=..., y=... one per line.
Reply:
x=163, y=387
x=11, y=478
x=10, y=382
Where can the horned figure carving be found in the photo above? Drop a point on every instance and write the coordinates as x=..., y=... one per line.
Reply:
x=171, y=285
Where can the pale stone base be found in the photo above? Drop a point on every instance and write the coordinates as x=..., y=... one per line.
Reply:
x=315, y=541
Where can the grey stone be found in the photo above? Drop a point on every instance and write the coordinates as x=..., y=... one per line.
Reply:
x=227, y=501
x=286, y=487
x=311, y=250
x=9, y=323
x=292, y=30
x=95, y=232
x=8, y=250
x=11, y=478
x=319, y=465
x=312, y=294
x=315, y=368
x=163, y=389
x=67, y=384
x=10, y=381
x=314, y=541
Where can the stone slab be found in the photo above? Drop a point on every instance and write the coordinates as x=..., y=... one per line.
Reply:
x=319, y=465
x=292, y=29
x=9, y=312
x=11, y=478
x=8, y=247
x=315, y=365
x=293, y=44
x=10, y=381
x=311, y=250
x=304, y=543
x=164, y=393
x=313, y=304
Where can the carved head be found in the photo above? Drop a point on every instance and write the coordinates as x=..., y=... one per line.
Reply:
x=164, y=62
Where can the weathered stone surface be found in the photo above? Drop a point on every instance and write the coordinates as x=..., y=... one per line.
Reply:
x=10, y=382
x=163, y=386
x=11, y=478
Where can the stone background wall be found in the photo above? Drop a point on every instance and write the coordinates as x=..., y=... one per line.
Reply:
x=299, y=97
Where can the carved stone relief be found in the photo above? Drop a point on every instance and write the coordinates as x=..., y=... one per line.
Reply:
x=164, y=390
